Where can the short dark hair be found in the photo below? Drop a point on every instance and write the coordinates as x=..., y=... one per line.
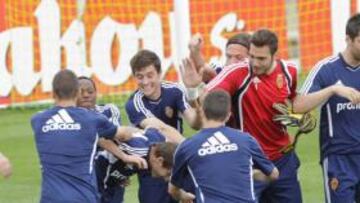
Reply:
x=265, y=37
x=242, y=39
x=65, y=84
x=217, y=105
x=89, y=79
x=353, y=26
x=165, y=150
x=144, y=58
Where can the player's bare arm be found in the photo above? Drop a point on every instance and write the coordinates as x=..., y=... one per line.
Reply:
x=193, y=82
x=193, y=115
x=111, y=147
x=195, y=45
x=305, y=103
x=5, y=166
x=179, y=194
x=170, y=133
x=260, y=176
x=125, y=133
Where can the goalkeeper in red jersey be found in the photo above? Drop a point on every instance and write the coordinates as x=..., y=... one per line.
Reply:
x=255, y=86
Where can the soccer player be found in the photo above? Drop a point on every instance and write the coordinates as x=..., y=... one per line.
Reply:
x=254, y=87
x=334, y=85
x=66, y=139
x=219, y=158
x=236, y=50
x=140, y=145
x=5, y=166
x=163, y=100
x=87, y=99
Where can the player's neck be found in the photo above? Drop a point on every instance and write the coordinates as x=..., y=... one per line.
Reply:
x=156, y=95
x=65, y=103
x=349, y=59
x=272, y=68
x=212, y=124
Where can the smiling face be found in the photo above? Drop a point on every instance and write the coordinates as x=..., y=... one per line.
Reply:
x=149, y=81
x=87, y=97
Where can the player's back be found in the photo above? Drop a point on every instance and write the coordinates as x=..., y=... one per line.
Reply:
x=220, y=161
x=66, y=141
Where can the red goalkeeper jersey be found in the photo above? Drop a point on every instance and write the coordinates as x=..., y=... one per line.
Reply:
x=252, y=100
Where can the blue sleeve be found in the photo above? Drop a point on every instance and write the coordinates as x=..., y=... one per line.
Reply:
x=135, y=114
x=105, y=128
x=154, y=135
x=179, y=171
x=181, y=102
x=314, y=81
x=258, y=157
x=115, y=115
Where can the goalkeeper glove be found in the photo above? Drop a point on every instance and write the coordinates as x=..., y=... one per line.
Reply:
x=286, y=116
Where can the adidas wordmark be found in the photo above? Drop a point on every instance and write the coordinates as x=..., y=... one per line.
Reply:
x=217, y=143
x=61, y=121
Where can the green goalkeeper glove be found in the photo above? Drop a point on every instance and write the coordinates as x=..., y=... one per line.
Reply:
x=305, y=122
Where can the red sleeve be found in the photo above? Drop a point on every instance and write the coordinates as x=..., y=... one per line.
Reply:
x=293, y=72
x=230, y=78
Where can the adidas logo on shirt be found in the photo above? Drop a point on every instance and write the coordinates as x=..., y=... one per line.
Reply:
x=218, y=143
x=61, y=121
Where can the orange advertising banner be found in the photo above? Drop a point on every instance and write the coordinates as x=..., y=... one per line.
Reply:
x=41, y=37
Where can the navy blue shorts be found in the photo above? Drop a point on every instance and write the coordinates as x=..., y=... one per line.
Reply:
x=287, y=188
x=341, y=178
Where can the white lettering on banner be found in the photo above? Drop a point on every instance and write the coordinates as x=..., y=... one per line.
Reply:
x=5, y=76
x=151, y=33
x=73, y=41
x=24, y=78
x=48, y=17
x=228, y=23
x=101, y=43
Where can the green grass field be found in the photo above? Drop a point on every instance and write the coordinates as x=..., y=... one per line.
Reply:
x=17, y=142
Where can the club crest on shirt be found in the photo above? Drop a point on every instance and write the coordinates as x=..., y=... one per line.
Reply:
x=256, y=82
x=334, y=183
x=279, y=81
x=169, y=112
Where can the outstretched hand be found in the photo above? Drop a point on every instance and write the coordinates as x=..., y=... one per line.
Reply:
x=5, y=166
x=138, y=161
x=196, y=43
x=191, y=77
x=349, y=93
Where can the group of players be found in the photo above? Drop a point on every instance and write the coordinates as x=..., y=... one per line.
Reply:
x=244, y=162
